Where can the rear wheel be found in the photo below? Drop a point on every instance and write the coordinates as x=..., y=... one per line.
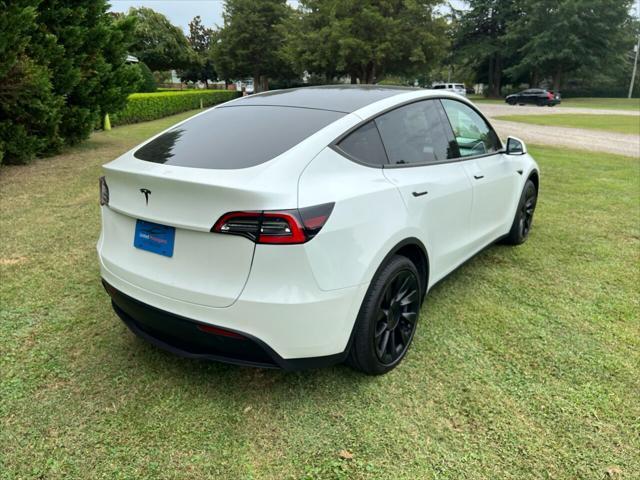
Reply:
x=387, y=319
x=512, y=101
x=524, y=215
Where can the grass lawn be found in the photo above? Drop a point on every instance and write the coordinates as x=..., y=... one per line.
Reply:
x=610, y=123
x=526, y=363
x=604, y=103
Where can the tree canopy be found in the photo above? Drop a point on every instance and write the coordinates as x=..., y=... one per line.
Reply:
x=157, y=42
x=367, y=39
x=201, y=66
x=558, y=37
x=531, y=40
x=251, y=42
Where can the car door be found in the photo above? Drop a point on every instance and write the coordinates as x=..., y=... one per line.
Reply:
x=493, y=175
x=436, y=190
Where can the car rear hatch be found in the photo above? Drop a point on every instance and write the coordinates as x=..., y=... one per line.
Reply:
x=204, y=268
x=184, y=180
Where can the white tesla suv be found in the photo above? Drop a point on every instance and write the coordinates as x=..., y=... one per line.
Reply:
x=315, y=239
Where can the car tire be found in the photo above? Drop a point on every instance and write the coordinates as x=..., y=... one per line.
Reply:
x=387, y=319
x=511, y=102
x=521, y=226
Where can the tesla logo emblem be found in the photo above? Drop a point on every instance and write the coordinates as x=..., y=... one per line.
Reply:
x=146, y=192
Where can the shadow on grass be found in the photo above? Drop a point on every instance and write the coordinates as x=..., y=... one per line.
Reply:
x=267, y=386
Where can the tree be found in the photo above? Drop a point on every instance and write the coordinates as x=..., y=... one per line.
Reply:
x=147, y=81
x=201, y=66
x=251, y=41
x=62, y=68
x=367, y=39
x=481, y=39
x=158, y=43
x=29, y=111
x=559, y=37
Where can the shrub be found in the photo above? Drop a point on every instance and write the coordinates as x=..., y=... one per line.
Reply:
x=142, y=107
x=148, y=82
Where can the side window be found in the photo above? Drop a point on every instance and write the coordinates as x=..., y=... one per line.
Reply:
x=365, y=145
x=473, y=135
x=416, y=133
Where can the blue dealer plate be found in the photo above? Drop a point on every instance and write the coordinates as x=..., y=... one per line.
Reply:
x=155, y=238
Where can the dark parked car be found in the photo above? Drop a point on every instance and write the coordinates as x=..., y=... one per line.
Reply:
x=534, y=96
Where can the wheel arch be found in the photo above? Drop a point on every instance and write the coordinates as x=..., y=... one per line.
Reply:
x=534, y=176
x=414, y=250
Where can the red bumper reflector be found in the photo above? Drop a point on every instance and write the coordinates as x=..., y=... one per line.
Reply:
x=219, y=331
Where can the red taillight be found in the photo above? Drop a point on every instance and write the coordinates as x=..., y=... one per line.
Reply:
x=281, y=227
x=219, y=331
x=276, y=227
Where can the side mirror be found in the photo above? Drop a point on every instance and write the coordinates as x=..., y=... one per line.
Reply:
x=515, y=146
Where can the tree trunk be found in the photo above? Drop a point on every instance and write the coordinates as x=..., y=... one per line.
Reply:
x=264, y=83
x=557, y=80
x=354, y=77
x=490, y=79
x=497, y=75
x=370, y=73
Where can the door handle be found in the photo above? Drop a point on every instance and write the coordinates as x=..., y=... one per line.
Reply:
x=478, y=177
x=419, y=194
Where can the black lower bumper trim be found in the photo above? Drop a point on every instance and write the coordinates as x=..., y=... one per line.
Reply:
x=181, y=336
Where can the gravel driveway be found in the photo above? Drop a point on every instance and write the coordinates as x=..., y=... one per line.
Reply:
x=577, y=138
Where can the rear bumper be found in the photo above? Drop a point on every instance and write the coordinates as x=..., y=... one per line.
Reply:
x=281, y=308
x=184, y=337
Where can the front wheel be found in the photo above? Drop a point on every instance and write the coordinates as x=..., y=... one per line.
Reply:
x=524, y=215
x=387, y=319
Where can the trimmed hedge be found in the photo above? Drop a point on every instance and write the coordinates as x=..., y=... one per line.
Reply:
x=142, y=107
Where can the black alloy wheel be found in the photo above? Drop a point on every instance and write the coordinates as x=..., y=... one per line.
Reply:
x=388, y=317
x=521, y=226
x=397, y=315
x=526, y=212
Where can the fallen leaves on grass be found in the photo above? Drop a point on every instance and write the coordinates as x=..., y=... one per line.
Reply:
x=345, y=455
x=613, y=472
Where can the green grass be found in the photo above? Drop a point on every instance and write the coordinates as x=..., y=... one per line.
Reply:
x=603, y=103
x=610, y=123
x=526, y=363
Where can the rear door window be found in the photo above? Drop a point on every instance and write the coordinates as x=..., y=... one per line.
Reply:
x=236, y=137
x=364, y=145
x=417, y=133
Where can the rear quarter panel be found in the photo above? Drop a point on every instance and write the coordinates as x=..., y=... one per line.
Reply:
x=368, y=220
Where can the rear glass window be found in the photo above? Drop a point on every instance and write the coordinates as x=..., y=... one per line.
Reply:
x=235, y=137
x=439, y=87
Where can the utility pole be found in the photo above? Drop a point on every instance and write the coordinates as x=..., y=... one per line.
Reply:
x=635, y=67
x=636, y=49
